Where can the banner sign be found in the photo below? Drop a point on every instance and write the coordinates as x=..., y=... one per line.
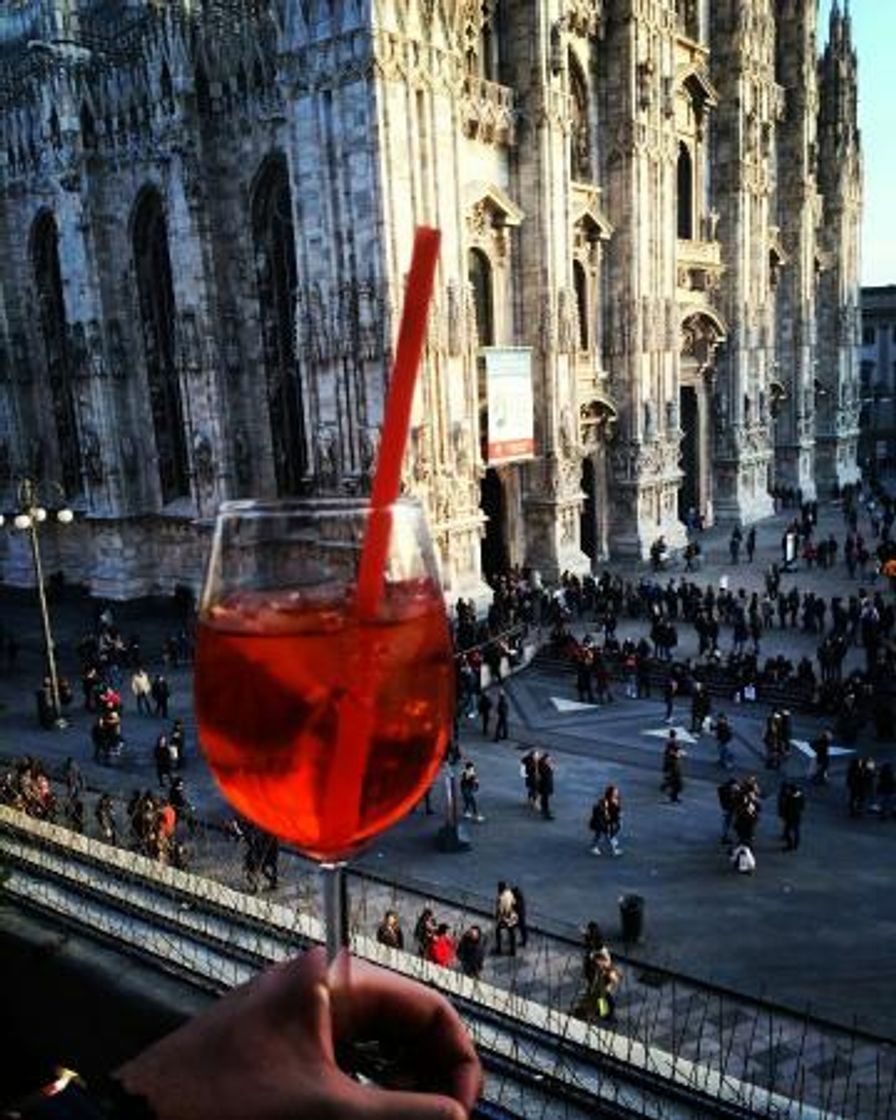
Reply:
x=511, y=431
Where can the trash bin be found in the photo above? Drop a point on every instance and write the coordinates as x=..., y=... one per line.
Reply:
x=631, y=911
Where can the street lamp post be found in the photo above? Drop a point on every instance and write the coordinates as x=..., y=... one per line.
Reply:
x=30, y=516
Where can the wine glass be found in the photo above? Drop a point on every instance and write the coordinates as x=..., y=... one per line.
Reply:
x=324, y=693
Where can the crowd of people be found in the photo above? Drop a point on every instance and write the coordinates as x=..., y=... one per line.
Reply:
x=156, y=826
x=735, y=631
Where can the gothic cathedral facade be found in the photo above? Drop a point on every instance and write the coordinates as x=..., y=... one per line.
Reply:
x=206, y=214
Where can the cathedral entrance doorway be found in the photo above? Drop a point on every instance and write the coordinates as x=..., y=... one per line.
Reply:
x=588, y=517
x=701, y=334
x=689, y=418
x=493, y=503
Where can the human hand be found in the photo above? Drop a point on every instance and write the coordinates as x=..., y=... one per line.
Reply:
x=266, y=1051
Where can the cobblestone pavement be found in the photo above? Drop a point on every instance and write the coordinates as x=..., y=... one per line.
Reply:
x=812, y=928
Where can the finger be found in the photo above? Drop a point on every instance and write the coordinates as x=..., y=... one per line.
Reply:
x=380, y=1004
x=385, y=1104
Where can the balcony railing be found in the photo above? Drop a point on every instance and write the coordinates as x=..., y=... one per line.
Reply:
x=489, y=111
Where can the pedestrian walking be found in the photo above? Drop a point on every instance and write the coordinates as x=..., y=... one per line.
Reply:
x=469, y=787
x=105, y=819
x=606, y=821
x=441, y=949
x=519, y=901
x=162, y=758
x=545, y=773
x=729, y=794
x=669, y=693
x=734, y=544
x=484, y=705
x=791, y=803
x=602, y=978
x=821, y=748
x=471, y=952
x=724, y=735
x=141, y=688
x=389, y=931
x=701, y=706
x=502, y=711
x=673, y=781
x=177, y=742
x=74, y=779
x=161, y=694
x=424, y=930
x=529, y=774
x=751, y=543
x=506, y=918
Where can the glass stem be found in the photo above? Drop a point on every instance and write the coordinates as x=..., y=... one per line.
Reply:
x=335, y=899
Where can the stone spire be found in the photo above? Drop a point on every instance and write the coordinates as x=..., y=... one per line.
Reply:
x=840, y=183
x=792, y=394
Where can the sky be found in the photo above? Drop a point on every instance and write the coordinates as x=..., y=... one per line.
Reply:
x=874, y=36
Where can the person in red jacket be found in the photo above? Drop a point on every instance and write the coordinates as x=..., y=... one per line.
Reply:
x=441, y=948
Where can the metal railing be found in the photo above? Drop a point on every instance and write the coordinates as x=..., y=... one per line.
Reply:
x=540, y=1062
x=665, y=1021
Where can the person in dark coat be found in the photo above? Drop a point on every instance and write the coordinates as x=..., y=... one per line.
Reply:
x=821, y=747
x=520, y=900
x=673, y=782
x=529, y=764
x=471, y=952
x=161, y=693
x=503, y=709
x=389, y=932
x=545, y=785
x=484, y=705
x=162, y=759
x=791, y=803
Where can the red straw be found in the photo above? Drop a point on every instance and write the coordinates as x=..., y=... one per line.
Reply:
x=342, y=800
x=387, y=480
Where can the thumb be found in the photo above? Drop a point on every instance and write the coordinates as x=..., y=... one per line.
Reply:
x=322, y=1021
x=373, y=1103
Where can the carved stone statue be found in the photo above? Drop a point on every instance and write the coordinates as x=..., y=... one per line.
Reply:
x=92, y=457
x=203, y=461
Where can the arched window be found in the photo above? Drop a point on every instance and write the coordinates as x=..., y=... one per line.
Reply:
x=51, y=309
x=480, y=277
x=481, y=38
x=580, y=281
x=275, y=257
x=580, y=132
x=88, y=127
x=685, y=194
x=687, y=14
x=156, y=295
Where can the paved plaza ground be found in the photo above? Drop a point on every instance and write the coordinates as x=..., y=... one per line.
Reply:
x=815, y=927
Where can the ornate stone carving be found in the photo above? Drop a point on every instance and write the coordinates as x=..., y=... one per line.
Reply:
x=420, y=454
x=95, y=355
x=461, y=448
x=203, y=461
x=117, y=355
x=327, y=456
x=454, y=319
x=190, y=342
x=242, y=459
x=35, y=458
x=130, y=463
x=233, y=351
x=78, y=354
x=568, y=441
x=92, y=456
